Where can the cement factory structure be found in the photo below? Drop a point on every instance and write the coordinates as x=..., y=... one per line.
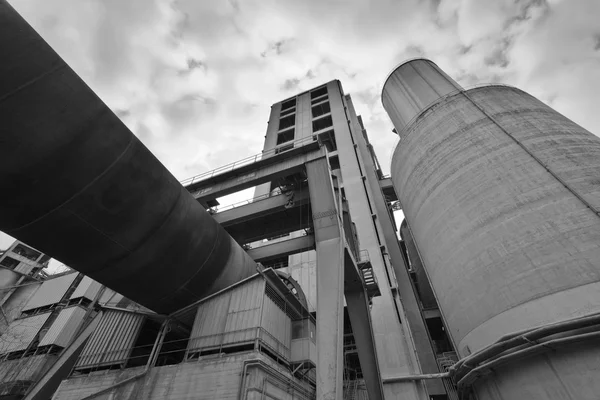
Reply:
x=487, y=291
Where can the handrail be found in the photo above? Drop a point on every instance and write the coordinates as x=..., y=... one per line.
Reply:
x=247, y=161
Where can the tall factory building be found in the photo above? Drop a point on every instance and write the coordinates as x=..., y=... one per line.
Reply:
x=330, y=311
x=487, y=291
x=502, y=202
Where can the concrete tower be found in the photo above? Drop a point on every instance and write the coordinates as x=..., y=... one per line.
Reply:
x=502, y=199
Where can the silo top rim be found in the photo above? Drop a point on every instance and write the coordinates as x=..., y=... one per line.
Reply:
x=387, y=78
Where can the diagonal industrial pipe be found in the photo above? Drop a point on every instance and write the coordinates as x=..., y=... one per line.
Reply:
x=79, y=186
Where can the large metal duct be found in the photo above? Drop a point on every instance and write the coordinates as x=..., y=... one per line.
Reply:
x=79, y=186
x=502, y=195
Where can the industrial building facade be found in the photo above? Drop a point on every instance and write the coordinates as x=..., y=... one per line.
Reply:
x=488, y=290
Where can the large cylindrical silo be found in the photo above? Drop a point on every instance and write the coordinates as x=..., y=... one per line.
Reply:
x=502, y=194
x=79, y=186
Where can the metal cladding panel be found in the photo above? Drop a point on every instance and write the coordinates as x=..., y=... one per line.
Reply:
x=244, y=312
x=21, y=332
x=112, y=341
x=95, y=214
x=210, y=322
x=278, y=325
x=64, y=327
x=413, y=86
x=87, y=288
x=51, y=291
x=500, y=212
x=229, y=317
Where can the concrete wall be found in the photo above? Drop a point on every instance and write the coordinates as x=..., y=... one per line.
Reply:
x=566, y=373
x=23, y=371
x=506, y=245
x=502, y=194
x=218, y=378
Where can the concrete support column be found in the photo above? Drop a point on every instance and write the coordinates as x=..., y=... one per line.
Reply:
x=330, y=281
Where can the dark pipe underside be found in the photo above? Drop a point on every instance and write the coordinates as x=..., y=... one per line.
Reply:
x=78, y=185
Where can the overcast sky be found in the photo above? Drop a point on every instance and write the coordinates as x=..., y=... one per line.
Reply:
x=195, y=79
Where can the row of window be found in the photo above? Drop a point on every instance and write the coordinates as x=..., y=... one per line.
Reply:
x=287, y=119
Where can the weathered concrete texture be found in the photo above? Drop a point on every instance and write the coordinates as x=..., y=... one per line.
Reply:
x=568, y=373
x=218, y=378
x=506, y=245
x=79, y=186
x=20, y=373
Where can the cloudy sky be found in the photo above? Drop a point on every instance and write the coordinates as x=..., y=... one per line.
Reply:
x=194, y=79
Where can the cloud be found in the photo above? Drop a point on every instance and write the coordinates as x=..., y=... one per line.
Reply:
x=195, y=79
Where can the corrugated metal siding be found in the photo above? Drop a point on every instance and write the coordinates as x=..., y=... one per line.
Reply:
x=112, y=341
x=235, y=310
x=64, y=327
x=278, y=325
x=21, y=333
x=87, y=288
x=244, y=312
x=51, y=291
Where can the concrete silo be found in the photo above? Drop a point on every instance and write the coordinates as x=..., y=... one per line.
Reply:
x=502, y=195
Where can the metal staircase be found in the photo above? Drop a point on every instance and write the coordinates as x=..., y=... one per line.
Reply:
x=364, y=265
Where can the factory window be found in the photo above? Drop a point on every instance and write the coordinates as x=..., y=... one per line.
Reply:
x=318, y=92
x=288, y=104
x=9, y=262
x=26, y=252
x=320, y=109
x=287, y=122
x=322, y=123
x=327, y=139
x=287, y=113
x=319, y=100
x=285, y=136
x=284, y=148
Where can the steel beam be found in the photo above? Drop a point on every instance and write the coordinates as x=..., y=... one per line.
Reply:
x=362, y=329
x=330, y=281
x=253, y=175
x=285, y=221
x=282, y=249
x=262, y=208
x=388, y=189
